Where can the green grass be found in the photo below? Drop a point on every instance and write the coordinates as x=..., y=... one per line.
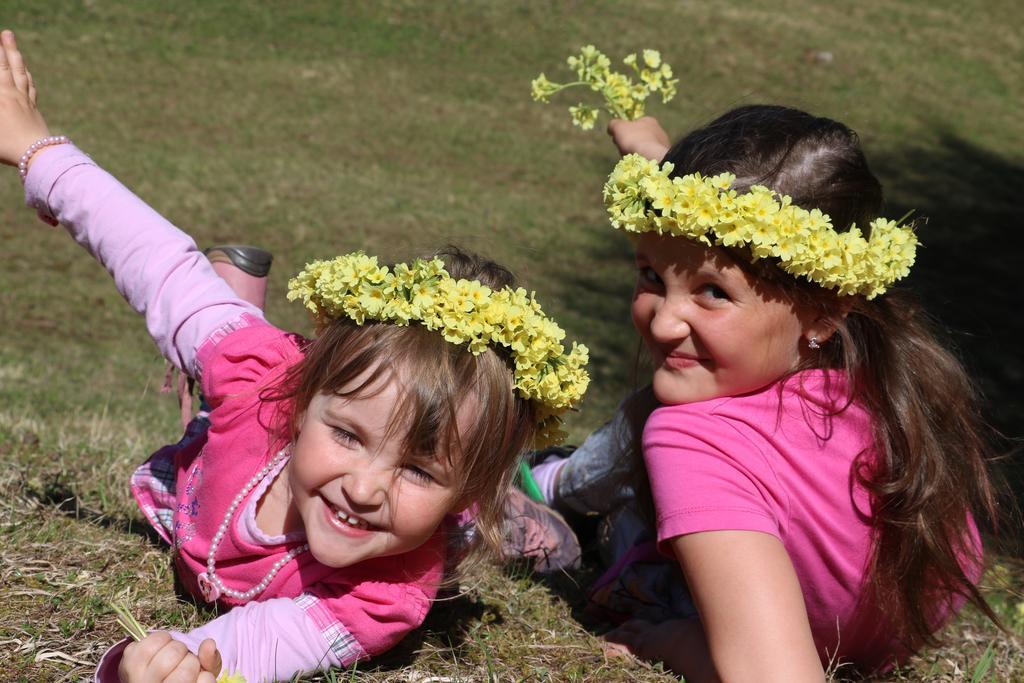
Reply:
x=395, y=127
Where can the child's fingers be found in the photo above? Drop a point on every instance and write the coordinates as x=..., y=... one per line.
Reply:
x=615, y=650
x=187, y=670
x=209, y=656
x=620, y=635
x=145, y=649
x=137, y=656
x=629, y=634
x=6, y=78
x=14, y=60
x=190, y=671
x=174, y=664
x=156, y=657
x=21, y=124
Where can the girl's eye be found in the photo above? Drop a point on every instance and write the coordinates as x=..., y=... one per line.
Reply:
x=418, y=474
x=344, y=437
x=648, y=276
x=714, y=292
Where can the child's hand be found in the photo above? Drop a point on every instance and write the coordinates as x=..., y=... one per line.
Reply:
x=679, y=643
x=21, y=124
x=158, y=658
x=631, y=638
x=644, y=136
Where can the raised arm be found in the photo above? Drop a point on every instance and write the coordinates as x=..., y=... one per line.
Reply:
x=645, y=137
x=155, y=266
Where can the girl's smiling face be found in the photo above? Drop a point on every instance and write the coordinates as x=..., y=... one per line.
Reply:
x=712, y=329
x=353, y=488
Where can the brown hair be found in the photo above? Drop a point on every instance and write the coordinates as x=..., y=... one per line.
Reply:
x=928, y=469
x=440, y=377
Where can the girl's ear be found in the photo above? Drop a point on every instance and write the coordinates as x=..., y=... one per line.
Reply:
x=819, y=332
x=297, y=421
x=821, y=329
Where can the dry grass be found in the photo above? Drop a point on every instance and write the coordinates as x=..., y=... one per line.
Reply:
x=397, y=126
x=62, y=563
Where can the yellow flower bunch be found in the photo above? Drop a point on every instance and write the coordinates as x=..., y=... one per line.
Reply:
x=624, y=98
x=642, y=197
x=464, y=312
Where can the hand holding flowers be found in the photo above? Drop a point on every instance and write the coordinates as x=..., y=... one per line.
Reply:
x=156, y=656
x=644, y=136
x=624, y=98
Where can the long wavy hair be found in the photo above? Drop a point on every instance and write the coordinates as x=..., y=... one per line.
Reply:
x=927, y=475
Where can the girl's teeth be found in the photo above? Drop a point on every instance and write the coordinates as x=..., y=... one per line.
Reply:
x=350, y=520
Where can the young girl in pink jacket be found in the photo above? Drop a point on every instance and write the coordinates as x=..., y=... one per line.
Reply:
x=319, y=505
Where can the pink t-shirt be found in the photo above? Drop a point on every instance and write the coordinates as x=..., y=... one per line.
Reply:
x=779, y=464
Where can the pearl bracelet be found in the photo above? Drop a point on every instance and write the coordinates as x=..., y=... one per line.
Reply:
x=35, y=147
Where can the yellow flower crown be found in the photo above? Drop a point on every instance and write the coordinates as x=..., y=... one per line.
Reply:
x=641, y=197
x=464, y=312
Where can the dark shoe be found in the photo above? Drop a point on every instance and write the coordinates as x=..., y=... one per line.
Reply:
x=243, y=267
x=252, y=260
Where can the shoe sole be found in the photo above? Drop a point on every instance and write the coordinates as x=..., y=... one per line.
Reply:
x=251, y=260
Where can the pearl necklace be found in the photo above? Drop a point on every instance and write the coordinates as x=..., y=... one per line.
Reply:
x=209, y=583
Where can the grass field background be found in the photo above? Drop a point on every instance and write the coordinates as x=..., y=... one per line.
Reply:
x=317, y=128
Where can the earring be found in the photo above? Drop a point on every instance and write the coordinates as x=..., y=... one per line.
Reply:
x=813, y=344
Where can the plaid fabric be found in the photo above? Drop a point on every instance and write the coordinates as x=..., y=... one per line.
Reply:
x=342, y=643
x=154, y=483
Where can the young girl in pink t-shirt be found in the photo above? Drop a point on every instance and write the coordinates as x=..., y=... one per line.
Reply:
x=812, y=453
x=319, y=503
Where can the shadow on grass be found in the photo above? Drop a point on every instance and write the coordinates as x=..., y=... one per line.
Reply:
x=968, y=273
x=53, y=491
x=603, y=294
x=447, y=628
